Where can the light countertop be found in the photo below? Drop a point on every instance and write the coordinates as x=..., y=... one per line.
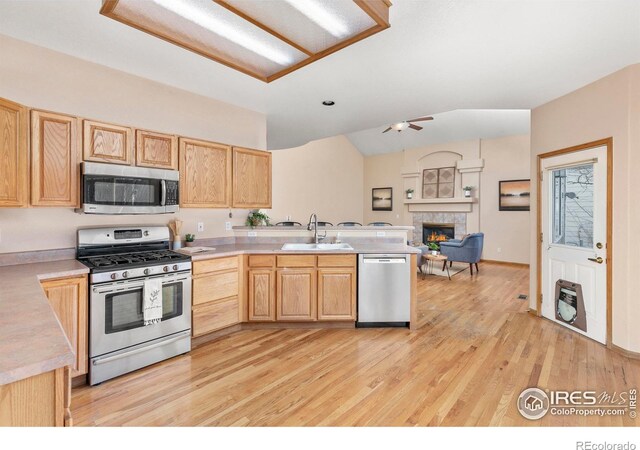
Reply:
x=32, y=340
x=240, y=249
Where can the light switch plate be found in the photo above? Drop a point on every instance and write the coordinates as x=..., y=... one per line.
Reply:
x=380, y=234
x=227, y=226
x=252, y=233
x=200, y=226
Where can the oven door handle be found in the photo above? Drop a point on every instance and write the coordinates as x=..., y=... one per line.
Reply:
x=145, y=348
x=163, y=192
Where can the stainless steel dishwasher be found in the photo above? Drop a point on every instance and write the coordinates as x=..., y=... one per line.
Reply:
x=384, y=290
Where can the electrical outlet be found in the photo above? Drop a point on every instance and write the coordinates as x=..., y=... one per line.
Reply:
x=288, y=217
x=227, y=226
x=252, y=233
x=499, y=250
x=200, y=226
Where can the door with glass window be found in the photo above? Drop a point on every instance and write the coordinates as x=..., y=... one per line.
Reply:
x=574, y=232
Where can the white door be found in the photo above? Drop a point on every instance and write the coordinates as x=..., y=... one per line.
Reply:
x=574, y=230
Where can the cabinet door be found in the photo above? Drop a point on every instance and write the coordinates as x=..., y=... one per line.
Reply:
x=68, y=298
x=156, y=150
x=336, y=294
x=104, y=142
x=251, y=178
x=14, y=162
x=262, y=297
x=214, y=316
x=55, y=160
x=205, y=174
x=296, y=294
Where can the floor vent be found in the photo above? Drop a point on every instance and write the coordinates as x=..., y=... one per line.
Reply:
x=523, y=297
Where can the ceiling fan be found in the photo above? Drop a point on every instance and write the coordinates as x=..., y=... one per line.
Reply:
x=401, y=126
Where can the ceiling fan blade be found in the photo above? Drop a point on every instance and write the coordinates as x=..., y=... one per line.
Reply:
x=415, y=127
x=419, y=119
x=386, y=130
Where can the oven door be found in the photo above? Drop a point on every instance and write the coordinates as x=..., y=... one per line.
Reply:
x=116, y=313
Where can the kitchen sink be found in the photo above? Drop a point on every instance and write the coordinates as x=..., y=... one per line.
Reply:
x=320, y=247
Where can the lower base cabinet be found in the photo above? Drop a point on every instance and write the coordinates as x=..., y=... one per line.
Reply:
x=262, y=295
x=38, y=401
x=337, y=294
x=214, y=316
x=296, y=295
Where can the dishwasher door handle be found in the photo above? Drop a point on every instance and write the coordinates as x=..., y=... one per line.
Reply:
x=384, y=260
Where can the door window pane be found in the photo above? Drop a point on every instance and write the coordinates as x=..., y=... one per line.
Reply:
x=572, y=222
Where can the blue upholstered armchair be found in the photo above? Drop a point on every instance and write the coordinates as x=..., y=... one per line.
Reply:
x=467, y=250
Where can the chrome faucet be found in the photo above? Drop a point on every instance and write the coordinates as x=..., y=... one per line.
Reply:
x=313, y=222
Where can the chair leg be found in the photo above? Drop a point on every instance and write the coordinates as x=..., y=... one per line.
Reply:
x=477, y=270
x=471, y=268
x=444, y=266
x=450, y=263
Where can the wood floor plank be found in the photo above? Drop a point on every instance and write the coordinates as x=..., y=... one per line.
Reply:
x=476, y=349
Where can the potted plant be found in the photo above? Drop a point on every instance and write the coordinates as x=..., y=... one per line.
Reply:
x=189, y=238
x=409, y=193
x=434, y=248
x=467, y=191
x=257, y=218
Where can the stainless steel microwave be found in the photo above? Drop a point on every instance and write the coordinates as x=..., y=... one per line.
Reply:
x=117, y=189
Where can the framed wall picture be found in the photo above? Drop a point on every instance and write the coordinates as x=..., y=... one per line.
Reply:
x=515, y=195
x=438, y=183
x=382, y=199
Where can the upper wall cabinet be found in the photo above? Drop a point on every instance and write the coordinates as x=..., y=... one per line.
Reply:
x=156, y=150
x=107, y=143
x=205, y=174
x=14, y=162
x=251, y=178
x=55, y=157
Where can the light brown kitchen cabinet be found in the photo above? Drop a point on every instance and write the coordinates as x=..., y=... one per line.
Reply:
x=68, y=299
x=262, y=295
x=103, y=142
x=156, y=150
x=14, y=154
x=336, y=294
x=205, y=174
x=251, y=178
x=216, y=294
x=55, y=158
x=296, y=294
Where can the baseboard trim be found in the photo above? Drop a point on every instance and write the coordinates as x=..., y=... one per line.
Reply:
x=628, y=353
x=506, y=263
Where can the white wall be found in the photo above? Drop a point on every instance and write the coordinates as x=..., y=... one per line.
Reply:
x=506, y=232
x=324, y=176
x=45, y=79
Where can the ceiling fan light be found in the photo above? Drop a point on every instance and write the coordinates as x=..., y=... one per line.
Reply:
x=400, y=126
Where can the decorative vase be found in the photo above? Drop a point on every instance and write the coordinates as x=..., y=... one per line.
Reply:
x=435, y=252
x=189, y=243
x=467, y=193
x=177, y=244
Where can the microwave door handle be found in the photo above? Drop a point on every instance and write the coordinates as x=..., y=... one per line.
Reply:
x=163, y=192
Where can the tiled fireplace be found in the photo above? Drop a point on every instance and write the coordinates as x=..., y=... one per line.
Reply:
x=457, y=221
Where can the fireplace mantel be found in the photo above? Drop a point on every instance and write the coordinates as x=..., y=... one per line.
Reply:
x=456, y=204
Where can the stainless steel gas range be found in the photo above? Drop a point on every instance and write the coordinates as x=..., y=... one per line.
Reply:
x=120, y=260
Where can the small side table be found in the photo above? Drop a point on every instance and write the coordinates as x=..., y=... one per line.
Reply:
x=432, y=259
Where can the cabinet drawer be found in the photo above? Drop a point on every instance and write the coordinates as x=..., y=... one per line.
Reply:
x=262, y=260
x=214, y=287
x=214, y=265
x=296, y=261
x=336, y=260
x=215, y=316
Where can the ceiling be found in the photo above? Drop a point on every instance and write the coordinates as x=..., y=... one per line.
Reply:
x=438, y=56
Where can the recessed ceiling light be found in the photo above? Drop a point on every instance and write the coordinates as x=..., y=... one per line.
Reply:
x=319, y=14
x=205, y=19
x=328, y=103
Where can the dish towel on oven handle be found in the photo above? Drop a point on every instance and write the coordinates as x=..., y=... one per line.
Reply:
x=152, y=301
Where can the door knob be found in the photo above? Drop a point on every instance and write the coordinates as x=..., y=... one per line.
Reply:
x=599, y=245
x=598, y=260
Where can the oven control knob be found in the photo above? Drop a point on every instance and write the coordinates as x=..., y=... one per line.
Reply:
x=114, y=276
x=175, y=267
x=165, y=269
x=125, y=274
x=146, y=271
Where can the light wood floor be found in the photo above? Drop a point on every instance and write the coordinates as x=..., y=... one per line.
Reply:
x=476, y=350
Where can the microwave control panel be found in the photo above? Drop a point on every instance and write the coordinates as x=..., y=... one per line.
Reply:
x=172, y=193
